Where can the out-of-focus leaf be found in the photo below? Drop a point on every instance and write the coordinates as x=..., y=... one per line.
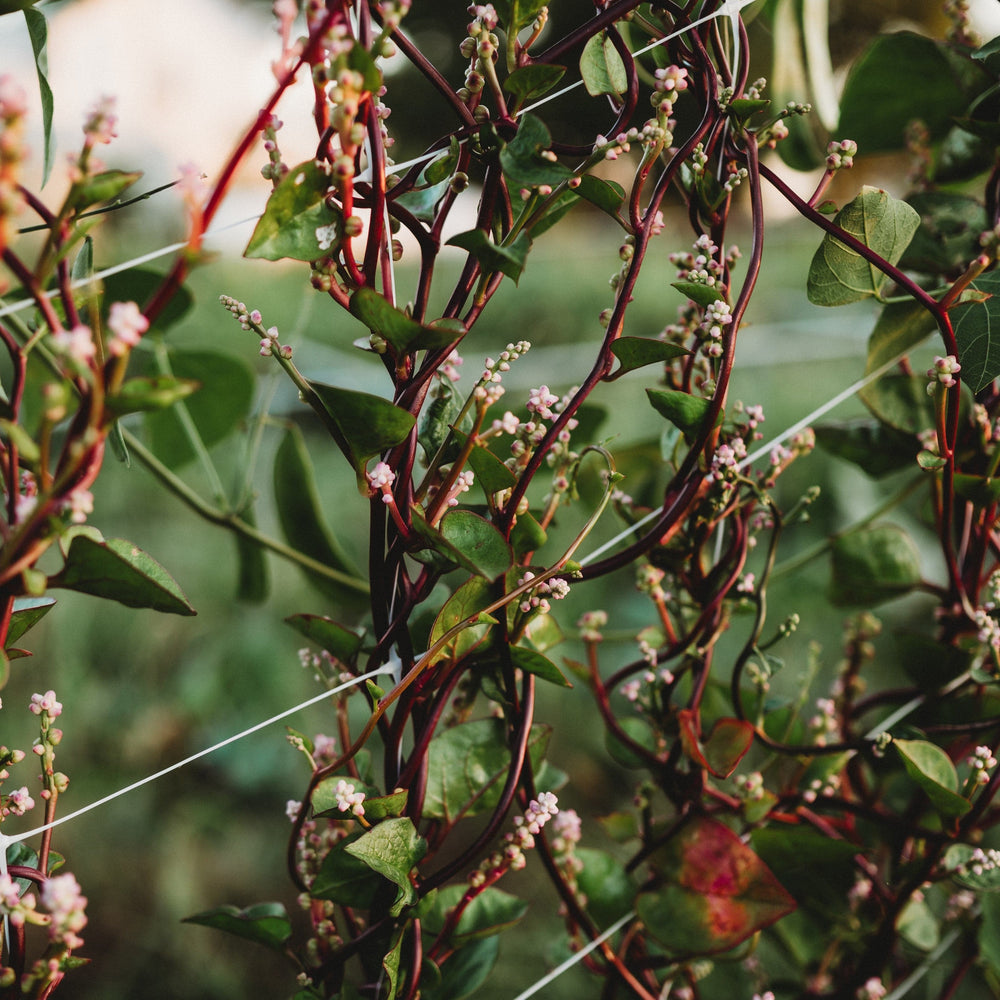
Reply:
x=901, y=402
x=528, y=82
x=868, y=443
x=38, y=32
x=150, y=394
x=900, y=327
x=877, y=103
x=838, y=274
x=119, y=571
x=725, y=747
x=297, y=221
x=948, y=237
x=465, y=971
x=252, y=581
x=300, y=514
x=265, y=923
x=103, y=187
x=606, y=885
x=964, y=865
x=872, y=565
x=931, y=768
x=489, y=913
x=225, y=394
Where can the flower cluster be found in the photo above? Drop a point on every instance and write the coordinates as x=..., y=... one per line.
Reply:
x=943, y=373
x=982, y=762
x=127, y=325
x=537, y=598
x=526, y=827
x=840, y=155
x=590, y=624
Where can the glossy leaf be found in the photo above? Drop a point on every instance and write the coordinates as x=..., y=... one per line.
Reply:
x=977, y=331
x=602, y=68
x=300, y=514
x=38, y=33
x=869, y=444
x=931, y=768
x=297, y=222
x=532, y=662
x=872, y=565
x=508, y=260
x=226, y=387
x=726, y=746
x=465, y=604
x=393, y=848
x=877, y=102
x=522, y=158
x=489, y=913
x=608, y=196
x=528, y=82
x=368, y=424
x=28, y=612
x=684, y=411
x=266, y=923
x=337, y=640
x=482, y=547
x=393, y=325
x=467, y=766
x=637, y=352
x=717, y=891
x=699, y=292
x=118, y=571
x=838, y=274
x=490, y=472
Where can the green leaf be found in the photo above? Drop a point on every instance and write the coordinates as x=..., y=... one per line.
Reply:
x=518, y=14
x=490, y=472
x=465, y=971
x=959, y=861
x=422, y=202
x=637, y=352
x=872, y=565
x=608, y=196
x=493, y=257
x=931, y=768
x=393, y=325
x=27, y=613
x=607, y=886
x=901, y=402
x=988, y=935
x=467, y=766
x=744, y=108
x=900, y=327
x=839, y=275
x=877, y=102
x=948, y=237
x=346, y=879
x=989, y=55
x=266, y=923
x=253, y=580
x=393, y=848
x=368, y=424
x=640, y=733
x=534, y=663
x=115, y=569
x=529, y=82
x=874, y=447
x=222, y=403
x=103, y=187
x=527, y=535
x=297, y=221
x=699, y=292
x=436, y=420
x=337, y=640
x=148, y=394
x=725, y=747
x=602, y=68
x=522, y=158
x=466, y=603
x=444, y=166
x=359, y=59
x=300, y=513
x=817, y=870
x=978, y=490
x=977, y=331
x=38, y=33
x=139, y=284
x=718, y=892
x=684, y=411
x=484, y=549
x=488, y=913
x=918, y=926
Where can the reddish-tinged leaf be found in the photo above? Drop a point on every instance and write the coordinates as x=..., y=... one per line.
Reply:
x=725, y=747
x=716, y=891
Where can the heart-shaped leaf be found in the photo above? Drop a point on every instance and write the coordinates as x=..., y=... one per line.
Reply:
x=392, y=848
x=507, y=259
x=977, y=331
x=931, y=768
x=717, y=891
